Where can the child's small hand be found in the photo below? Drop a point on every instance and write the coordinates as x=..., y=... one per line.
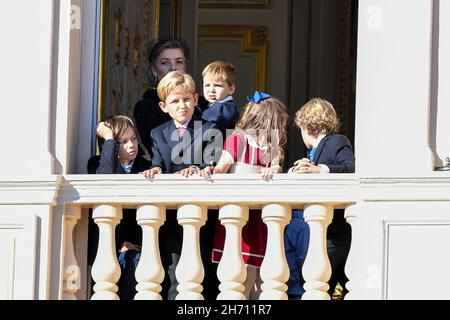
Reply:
x=150, y=173
x=267, y=173
x=300, y=162
x=189, y=171
x=129, y=246
x=105, y=132
x=307, y=167
x=207, y=172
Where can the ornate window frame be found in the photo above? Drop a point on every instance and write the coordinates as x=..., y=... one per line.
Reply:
x=254, y=40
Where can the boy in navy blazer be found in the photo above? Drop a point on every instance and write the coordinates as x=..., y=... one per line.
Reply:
x=183, y=145
x=328, y=152
x=219, y=84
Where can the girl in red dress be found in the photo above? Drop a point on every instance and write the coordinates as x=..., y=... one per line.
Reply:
x=256, y=146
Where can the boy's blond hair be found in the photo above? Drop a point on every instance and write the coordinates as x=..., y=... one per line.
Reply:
x=175, y=80
x=222, y=70
x=317, y=116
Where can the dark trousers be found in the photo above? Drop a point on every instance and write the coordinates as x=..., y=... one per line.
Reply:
x=128, y=262
x=296, y=240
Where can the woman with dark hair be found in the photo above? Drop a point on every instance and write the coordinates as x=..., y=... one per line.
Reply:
x=167, y=54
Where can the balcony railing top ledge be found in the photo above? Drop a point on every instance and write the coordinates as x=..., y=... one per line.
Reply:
x=434, y=187
x=227, y=188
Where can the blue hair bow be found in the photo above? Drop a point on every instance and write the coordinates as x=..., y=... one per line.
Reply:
x=258, y=97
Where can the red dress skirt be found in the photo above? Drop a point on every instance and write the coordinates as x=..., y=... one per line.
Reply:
x=248, y=158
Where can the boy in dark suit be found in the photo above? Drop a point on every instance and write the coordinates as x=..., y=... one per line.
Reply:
x=219, y=84
x=183, y=145
x=328, y=152
x=119, y=155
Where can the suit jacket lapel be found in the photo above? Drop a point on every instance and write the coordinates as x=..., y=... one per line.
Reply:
x=136, y=168
x=119, y=170
x=170, y=130
x=319, y=149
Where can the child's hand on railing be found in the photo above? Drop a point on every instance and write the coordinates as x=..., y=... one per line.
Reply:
x=207, y=172
x=150, y=174
x=305, y=166
x=188, y=171
x=268, y=172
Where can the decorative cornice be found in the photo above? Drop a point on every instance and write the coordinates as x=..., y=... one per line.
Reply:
x=435, y=187
x=30, y=192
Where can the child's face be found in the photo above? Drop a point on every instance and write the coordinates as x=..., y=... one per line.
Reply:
x=180, y=105
x=215, y=89
x=307, y=138
x=128, y=149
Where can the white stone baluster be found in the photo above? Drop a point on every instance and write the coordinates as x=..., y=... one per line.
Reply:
x=274, y=268
x=317, y=268
x=71, y=271
x=350, y=216
x=231, y=270
x=106, y=269
x=150, y=272
x=190, y=271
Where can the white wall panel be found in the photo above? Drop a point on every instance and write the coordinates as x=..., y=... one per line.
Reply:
x=18, y=238
x=418, y=261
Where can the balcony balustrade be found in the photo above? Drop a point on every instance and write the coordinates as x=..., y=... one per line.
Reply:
x=233, y=195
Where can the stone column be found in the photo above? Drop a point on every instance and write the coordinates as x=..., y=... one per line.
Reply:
x=231, y=270
x=150, y=272
x=190, y=271
x=351, y=217
x=71, y=270
x=317, y=268
x=106, y=269
x=274, y=269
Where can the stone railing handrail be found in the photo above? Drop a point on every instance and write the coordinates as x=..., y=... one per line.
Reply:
x=226, y=188
x=233, y=195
